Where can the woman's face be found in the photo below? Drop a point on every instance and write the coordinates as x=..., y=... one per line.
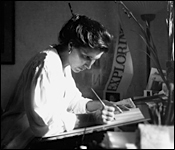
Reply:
x=83, y=58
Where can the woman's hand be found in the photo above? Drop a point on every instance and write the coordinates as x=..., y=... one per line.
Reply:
x=103, y=114
x=107, y=114
x=117, y=109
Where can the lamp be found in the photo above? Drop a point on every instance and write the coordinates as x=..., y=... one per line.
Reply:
x=147, y=11
x=148, y=18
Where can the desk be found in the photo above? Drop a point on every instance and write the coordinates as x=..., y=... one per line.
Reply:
x=91, y=140
x=132, y=127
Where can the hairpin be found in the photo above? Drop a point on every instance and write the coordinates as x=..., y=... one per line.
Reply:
x=74, y=16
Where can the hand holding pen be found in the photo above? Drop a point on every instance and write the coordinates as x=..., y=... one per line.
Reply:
x=109, y=103
x=108, y=111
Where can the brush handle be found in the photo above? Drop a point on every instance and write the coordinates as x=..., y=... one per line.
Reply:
x=98, y=97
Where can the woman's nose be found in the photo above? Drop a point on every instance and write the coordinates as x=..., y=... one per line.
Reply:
x=89, y=64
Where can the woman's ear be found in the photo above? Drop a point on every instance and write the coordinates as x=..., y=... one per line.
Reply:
x=70, y=45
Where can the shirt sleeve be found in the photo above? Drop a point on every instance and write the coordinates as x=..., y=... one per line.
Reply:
x=78, y=103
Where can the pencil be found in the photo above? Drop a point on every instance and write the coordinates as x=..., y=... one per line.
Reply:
x=102, y=101
x=98, y=97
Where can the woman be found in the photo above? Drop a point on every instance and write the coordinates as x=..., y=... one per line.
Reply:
x=46, y=100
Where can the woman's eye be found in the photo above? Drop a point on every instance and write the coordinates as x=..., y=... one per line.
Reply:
x=86, y=57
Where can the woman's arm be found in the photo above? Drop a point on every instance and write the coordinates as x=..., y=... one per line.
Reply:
x=92, y=106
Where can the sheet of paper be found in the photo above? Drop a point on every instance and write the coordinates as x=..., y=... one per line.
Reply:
x=127, y=103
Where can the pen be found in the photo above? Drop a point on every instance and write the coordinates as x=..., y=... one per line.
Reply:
x=98, y=97
x=102, y=101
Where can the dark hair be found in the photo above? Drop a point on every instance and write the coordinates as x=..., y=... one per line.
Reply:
x=85, y=32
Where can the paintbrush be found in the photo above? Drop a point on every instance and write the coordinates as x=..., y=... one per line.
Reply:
x=103, y=102
x=98, y=97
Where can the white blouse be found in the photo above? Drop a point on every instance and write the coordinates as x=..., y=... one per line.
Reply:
x=44, y=102
x=56, y=97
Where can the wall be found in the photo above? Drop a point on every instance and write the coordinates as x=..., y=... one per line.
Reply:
x=37, y=25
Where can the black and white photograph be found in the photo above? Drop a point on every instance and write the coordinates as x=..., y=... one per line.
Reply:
x=87, y=74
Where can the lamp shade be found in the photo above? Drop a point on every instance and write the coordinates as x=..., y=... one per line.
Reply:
x=145, y=7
